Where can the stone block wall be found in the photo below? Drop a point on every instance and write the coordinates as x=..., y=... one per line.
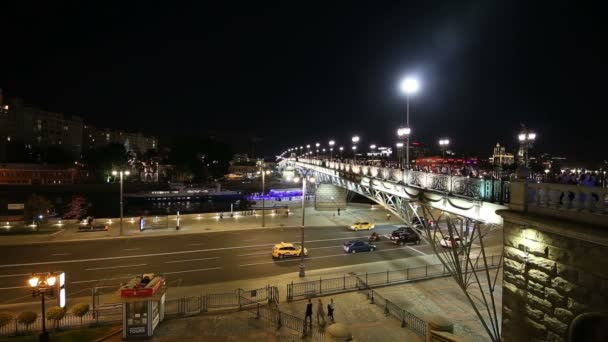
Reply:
x=550, y=275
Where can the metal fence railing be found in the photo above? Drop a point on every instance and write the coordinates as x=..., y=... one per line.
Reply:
x=279, y=319
x=406, y=318
x=346, y=283
x=101, y=316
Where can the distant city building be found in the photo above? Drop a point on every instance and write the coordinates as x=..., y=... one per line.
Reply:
x=435, y=163
x=380, y=151
x=240, y=158
x=13, y=174
x=500, y=157
x=133, y=142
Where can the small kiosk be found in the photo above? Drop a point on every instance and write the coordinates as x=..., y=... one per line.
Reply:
x=143, y=305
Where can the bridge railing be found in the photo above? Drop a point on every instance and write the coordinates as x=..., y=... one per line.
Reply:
x=487, y=190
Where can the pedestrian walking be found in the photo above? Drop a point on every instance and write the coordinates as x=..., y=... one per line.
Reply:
x=308, y=312
x=388, y=217
x=320, y=313
x=330, y=309
x=338, y=211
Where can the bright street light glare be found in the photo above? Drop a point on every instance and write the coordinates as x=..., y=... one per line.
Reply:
x=531, y=136
x=33, y=281
x=296, y=179
x=331, y=143
x=311, y=179
x=522, y=137
x=409, y=85
x=127, y=173
x=355, y=139
x=51, y=280
x=114, y=173
x=372, y=146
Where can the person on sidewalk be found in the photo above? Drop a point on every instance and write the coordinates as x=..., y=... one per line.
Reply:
x=330, y=310
x=320, y=313
x=338, y=211
x=308, y=312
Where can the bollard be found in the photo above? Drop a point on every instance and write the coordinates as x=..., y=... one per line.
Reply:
x=403, y=323
x=279, y=321
x=344, y=283
x=257, y=314
x=372, y=300
x=386, y=312
x=387, y=276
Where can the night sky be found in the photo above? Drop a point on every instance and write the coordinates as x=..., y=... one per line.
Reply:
x=296, y=72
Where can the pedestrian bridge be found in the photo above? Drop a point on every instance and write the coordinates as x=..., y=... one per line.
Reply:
x=402, y=191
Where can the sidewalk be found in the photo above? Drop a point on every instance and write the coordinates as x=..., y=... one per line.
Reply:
x=196, y=224
x=366, y=321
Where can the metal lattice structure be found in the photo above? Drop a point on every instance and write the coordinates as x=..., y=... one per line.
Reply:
x=442, y=215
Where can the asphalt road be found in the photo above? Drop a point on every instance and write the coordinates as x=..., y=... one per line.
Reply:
x=186, y=259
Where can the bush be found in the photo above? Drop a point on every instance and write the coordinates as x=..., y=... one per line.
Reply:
x=55, y=313
x=80, y=310
x=27, y=318
x=5, y=318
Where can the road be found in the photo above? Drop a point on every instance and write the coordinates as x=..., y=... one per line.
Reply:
x=186, y=259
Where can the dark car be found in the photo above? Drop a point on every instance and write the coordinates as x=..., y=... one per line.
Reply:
x=402, y=230
x=356, y=246
x=407, y=236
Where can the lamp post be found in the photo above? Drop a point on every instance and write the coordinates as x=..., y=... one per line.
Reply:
x=409, y=86
x=41, y=284
x=122, y=174
x=331, y=149
x=399, y=153
x=355, y=139
x=372, y=147
x=402, y=133
x=305, y=179
x=547, y=175
x=317, y=146
x=526, y=141
x=263, y=173
x=341, y=149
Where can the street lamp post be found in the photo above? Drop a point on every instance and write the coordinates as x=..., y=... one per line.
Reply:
x=305, y=179
x=399, y=153
x=355, y=139
x=341, y=149
x=42, y=283
x=317, y=146
x=263, y=173
x=121, y=173
x=408, y=86
x=404, y=132
x=526, y=141
x=331, y=149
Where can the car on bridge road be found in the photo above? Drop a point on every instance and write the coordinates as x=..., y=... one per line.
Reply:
x=356, y=246
x=447, y=242
x=405, y=235
x=286, y=249
x=362, y=226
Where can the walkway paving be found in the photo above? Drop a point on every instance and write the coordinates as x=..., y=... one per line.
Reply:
x=192, y=224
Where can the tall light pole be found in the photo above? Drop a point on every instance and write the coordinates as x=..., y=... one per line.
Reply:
x=305, y=179
x=373, y=148
x=121, y=173
x=331, y=149
x=526, y=141
x=402, y=133
x=263, y=173
x=41, y=284
x=317, y=146
x=409, y=86
x=355, y=139
x=400, y=153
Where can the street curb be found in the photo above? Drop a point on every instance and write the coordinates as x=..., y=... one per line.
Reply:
x=112, y=333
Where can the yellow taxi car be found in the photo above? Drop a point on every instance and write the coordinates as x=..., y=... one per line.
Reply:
x=286, y=249
x=362, y=226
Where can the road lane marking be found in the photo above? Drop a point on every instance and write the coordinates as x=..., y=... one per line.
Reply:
x=194, y=244
x=131, y=249
x=248, y=254
x=414, y=249
x=105, y=268
x=62, y=254
x=197, y=270
x=96, y=280
x=250, y=240
x=155, y=254
x=171, y=262
x=322, y=256
x=14, y=287
x=15, y=275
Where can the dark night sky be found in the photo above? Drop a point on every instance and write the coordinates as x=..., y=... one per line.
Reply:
x=298, y=72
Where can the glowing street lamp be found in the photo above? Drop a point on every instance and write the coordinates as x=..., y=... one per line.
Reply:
x=526, y=140
x=304, y=179
x=443, y=145
x=41, y=284
x=409, y=86
x=121, y=173
x=355, y=139
x=331, y=149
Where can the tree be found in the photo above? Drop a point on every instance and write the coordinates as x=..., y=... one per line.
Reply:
x=27, y=318
x=56, y=314
x=75, y=209
x=35, y=206
x=6, y=318
x=80, y=310
x=57, y=155
x=101, y=161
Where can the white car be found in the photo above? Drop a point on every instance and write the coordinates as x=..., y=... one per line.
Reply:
x=447, y=242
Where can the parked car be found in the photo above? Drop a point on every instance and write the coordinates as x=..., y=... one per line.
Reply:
x=356, y=246
x=286, y=249
x=362, y=226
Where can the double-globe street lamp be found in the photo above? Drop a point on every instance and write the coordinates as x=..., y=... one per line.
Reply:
x=402, y=133
x=305, y=179
x=399, y=153
x=41, y=284
x=122, y=174
x=409, y=86
x=331, y=149
x=355, y=139
x=526, y=141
